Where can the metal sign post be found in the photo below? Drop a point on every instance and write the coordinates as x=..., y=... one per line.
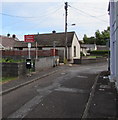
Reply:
x=29, y=46
x=54, y=53
x=29, y=39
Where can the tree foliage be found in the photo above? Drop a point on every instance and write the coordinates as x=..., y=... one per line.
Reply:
x=100, y=38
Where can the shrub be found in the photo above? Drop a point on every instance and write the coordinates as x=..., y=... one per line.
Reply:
x=81, y=53
x=10, y=60
x=99, y=52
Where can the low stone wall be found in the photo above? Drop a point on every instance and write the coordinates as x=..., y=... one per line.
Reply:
x=93, y=60
x=13, y=69
x=19, y=69
x=88, y=61
x=47, y=62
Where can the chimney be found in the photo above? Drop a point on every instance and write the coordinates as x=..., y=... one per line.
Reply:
x=8, y=35
x=53, y=31
x=13, y=36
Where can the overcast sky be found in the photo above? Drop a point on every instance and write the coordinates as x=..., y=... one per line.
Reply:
x=23, y=17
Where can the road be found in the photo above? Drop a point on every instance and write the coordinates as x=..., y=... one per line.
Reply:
x=64, y=94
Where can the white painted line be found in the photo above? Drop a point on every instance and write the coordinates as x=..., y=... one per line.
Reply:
x=23, y=111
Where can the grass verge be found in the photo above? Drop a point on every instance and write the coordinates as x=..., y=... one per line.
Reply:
x=94, y=56
x=7, y=79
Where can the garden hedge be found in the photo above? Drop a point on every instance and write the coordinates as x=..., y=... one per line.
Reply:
x=99, y=52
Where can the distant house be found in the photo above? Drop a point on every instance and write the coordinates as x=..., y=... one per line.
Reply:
x=50, y=40
x=7, y=42
x=102, y=47
x=86, y=47
x=89, y=46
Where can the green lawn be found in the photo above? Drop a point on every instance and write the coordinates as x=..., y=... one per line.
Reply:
x=94, y=56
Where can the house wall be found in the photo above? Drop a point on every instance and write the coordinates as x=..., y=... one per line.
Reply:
x=114, y=42
x=61, y=52
x=102, y=47
x=70, y=53
x=89, y=46
x=117, y=44
x=75, y=43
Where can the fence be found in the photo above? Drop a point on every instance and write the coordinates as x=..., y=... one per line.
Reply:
x=24, y=54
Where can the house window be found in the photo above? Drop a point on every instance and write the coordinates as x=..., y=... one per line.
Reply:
x=74, y=51
x=39, y=48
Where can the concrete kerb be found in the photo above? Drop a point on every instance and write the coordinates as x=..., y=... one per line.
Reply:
x=26, y=83
x=85, y=113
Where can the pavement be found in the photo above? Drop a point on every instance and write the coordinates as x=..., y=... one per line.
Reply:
x=27, y=79
x=103, y=100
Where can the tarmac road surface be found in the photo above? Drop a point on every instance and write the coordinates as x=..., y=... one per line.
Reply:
x=64, y=94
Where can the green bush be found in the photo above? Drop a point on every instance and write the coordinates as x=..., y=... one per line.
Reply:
x=10, y=60
x=65, y=61
x=81, y=53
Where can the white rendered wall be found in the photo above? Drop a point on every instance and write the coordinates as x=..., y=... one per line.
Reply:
x=75, y=43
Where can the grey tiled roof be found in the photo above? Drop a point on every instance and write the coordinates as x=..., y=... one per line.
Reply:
x=47, y=40
x=7, y=42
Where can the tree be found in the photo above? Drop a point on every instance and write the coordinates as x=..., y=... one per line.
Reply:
x=85, y=38
x=88, y=40
x=100, y=38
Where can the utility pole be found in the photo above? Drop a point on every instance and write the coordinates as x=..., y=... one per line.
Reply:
x=54, y=42
x=66, y=13
x=36, y=51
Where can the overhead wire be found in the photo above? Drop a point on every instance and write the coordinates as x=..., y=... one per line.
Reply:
x=49, y=15
x=42, y=20
x=36, y=19
x=14, y=15
x=9, y=15
x=81, y=11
